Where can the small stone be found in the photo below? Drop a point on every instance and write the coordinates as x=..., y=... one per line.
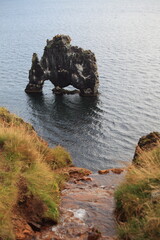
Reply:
x=94, y=234
x=117, y=170
x=155, y=195
x=103, y=171
x=85, y=179
x=27, y=232
x=95, y=185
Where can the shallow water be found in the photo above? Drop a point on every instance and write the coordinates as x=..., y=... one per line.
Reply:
x=124, y=34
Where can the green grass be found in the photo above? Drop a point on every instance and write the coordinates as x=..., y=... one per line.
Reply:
x=26, y=160
x=138, y=199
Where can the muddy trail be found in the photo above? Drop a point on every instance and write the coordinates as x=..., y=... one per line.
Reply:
x=87, y=208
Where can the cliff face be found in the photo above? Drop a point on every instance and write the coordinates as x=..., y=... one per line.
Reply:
x=64, y=65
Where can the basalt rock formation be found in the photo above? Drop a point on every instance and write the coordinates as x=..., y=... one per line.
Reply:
x=64, y=65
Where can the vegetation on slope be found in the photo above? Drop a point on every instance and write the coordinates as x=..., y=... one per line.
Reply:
x=138, y=198
x=29, y=186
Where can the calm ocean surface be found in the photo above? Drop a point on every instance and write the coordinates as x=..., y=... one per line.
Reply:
x=125, y=36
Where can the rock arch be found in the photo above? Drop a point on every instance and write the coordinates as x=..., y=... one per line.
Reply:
x=64, y=65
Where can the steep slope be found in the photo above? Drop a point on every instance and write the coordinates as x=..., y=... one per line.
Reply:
x=30, y=188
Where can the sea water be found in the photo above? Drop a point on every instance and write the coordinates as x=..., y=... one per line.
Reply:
x=99, y=132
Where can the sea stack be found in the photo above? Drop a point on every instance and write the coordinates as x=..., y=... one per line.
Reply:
x=64, y=65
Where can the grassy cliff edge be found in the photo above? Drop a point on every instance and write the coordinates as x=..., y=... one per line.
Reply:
x=31, y=176
x=138, y=197
x=29, y=186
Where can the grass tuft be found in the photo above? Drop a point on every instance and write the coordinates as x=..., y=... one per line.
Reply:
x=138, y=199
x=27, y=174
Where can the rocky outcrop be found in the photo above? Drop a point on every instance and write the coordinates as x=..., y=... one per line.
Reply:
x=64, y=65
x=145, y=144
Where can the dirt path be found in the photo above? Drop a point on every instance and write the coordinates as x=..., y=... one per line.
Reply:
x=87, y=209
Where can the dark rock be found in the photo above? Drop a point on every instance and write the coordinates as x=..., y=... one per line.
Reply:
x=64, y=65
x=94, y=234
x=146, y=143
x=61, y=91
x=35, y=226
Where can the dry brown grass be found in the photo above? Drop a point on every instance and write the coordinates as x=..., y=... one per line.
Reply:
x=24, y=155
x=138, y=199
